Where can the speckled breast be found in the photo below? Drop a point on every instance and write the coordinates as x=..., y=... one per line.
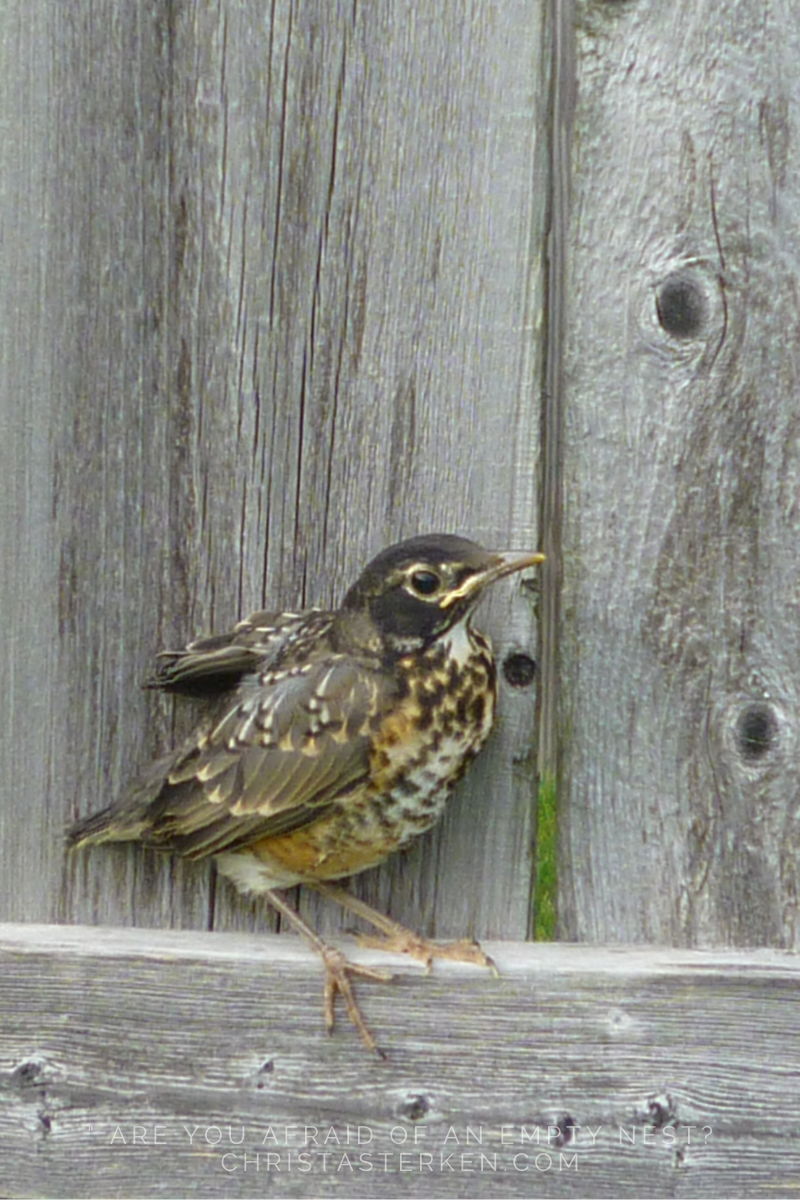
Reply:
x=440, y=721
x=437, y=721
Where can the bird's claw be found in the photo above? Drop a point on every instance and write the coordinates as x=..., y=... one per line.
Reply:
x=338, y=972
x=403, y=941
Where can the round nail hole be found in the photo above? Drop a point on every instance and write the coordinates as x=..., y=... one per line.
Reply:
x=519, y=670
x=756, y=731
x=681, y=307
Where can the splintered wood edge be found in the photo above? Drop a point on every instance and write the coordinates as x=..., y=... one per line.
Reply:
x=512, y=958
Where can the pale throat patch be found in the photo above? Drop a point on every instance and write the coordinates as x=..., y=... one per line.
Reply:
x=459, y=642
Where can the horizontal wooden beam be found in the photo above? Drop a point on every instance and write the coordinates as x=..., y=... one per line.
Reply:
x=137, y=1062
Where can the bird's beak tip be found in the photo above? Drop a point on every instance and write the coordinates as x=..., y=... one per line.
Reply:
x=517, y=560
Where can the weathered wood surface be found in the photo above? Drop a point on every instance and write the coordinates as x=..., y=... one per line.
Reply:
x=680, y=663
x=132, y=1062
x=271, y=294
x=271, y=289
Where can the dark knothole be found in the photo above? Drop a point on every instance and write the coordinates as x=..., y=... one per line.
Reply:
x=27, y=1074
x=519, y=670
x=756, y=731
x=562, y=1130
x=414, y=1108
x=660, y=1111
x=266, y=1069
x=681, y=307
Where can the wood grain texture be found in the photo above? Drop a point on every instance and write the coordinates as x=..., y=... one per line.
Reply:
x=272, y=302
x=28, y=544
x=680, y=616
x=131, y=1062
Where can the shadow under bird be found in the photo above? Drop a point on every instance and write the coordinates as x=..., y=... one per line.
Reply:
x=335, y=740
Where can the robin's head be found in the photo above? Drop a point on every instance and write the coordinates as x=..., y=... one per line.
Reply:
x=417, y=590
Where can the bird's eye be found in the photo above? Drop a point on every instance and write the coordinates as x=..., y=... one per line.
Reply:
x=425, y=583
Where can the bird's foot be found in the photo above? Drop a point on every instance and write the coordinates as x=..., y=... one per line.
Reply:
x=395, y=937
x=338, y=973
x=404, y=941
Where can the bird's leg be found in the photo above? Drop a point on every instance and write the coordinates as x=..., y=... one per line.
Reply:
x=338, y=970
x=401, y=940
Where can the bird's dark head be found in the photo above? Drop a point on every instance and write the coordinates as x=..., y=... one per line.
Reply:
x=417, y=590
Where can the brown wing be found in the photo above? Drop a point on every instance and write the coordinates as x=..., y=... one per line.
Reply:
x=218, y=662
x=289, y=743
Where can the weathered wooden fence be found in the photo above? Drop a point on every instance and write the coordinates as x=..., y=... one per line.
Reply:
x=279, y=284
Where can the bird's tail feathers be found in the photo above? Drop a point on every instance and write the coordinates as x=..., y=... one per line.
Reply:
x=109, y=825
x=130, y=816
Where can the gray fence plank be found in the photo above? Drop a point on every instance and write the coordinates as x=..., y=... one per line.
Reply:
x=284, y=311
x=28, y=545
x=680, y=654
x=132, y=1062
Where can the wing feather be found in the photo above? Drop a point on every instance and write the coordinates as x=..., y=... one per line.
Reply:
x=217, y=663
x=273, y=760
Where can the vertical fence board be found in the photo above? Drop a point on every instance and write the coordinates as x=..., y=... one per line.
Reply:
x=28, y=596
x=285, y=303
x=680, y=616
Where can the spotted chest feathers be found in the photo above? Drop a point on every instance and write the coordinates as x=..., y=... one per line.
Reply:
x=420, y=747
x=442, y=719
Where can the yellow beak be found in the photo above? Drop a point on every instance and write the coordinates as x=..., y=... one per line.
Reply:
x=505, y=563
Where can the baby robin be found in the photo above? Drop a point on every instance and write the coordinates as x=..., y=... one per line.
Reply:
x=336, y=740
